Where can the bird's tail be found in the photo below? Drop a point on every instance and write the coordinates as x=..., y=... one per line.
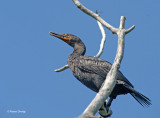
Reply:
x=143, y=100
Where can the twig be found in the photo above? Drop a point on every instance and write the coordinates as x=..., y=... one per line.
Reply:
x=102, y=41
x=62, y=69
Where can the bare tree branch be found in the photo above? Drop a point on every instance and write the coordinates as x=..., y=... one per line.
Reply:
x=94, y=15
x=62, y=69
x=111, y=78
x=102, y=41
x=97, y=17
x=130, y=29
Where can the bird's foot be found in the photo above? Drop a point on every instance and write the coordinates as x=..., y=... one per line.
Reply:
x=105, y=112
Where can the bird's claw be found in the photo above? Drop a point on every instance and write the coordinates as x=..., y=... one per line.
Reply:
x=105, y=113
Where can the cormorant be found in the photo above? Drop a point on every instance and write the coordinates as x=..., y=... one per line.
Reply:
x=92, y=71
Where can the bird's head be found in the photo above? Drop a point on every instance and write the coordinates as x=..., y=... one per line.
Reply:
x=68, y=38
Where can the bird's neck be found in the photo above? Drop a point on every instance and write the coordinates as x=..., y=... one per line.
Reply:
x=79, y=49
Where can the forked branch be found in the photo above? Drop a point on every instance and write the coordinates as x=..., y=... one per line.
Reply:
x=97, y=17
x=94, y=15
x=111, y=77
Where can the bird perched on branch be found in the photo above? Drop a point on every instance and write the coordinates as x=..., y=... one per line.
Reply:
x=92, y=72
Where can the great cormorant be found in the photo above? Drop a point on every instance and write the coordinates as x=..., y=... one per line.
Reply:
x=92, y=71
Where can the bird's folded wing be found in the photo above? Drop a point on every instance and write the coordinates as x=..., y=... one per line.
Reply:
x=93, y=65
x=97, y=66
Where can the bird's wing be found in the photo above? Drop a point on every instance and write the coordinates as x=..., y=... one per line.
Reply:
x=93, y=65
x=97, y=66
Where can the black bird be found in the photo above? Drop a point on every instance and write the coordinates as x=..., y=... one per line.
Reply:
x=92, y=71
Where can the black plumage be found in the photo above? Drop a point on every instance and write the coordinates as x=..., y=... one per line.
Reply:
x=92, y=71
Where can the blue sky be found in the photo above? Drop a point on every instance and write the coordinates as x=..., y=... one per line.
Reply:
x=29, y=56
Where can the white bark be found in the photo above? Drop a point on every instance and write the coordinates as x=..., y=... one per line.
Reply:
x=111, y=78
x=94, y=15
x=102, y=41
x=62, y=68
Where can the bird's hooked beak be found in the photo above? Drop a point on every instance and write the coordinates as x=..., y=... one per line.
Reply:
x=61, y=36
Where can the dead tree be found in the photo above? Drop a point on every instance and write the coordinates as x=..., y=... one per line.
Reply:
x=111, y=77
